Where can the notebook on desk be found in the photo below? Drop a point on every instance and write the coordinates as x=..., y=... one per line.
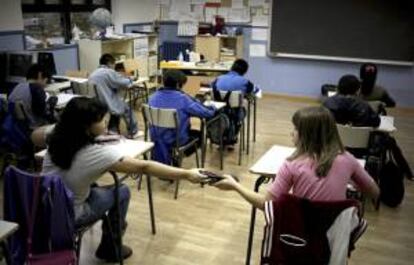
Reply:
x=387, y=124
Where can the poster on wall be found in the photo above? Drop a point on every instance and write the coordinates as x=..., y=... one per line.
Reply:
x=163, y=2
x=210, y=12
x=187, y=28
x=257, y=2
x=257, y=50
x=239, y=15
x=237, y=4
x=198, y=12
x=180, y=9
x=259, y=34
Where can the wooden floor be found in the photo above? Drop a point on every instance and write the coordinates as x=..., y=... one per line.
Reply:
x=208, y=226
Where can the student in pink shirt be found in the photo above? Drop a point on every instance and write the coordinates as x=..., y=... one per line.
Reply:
x=319, y=169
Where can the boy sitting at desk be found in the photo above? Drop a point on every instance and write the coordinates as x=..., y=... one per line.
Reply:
x=109, y=83
x=348, y=108
x=33, y=97
x=171, y=96
x=234, y=81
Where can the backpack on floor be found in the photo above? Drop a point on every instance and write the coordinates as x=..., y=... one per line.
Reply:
x=391, y=182
x=224, y=125
x=221, y=128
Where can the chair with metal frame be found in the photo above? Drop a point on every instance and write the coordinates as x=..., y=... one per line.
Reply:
x=235, y=100
x=168, y=119
x=84, y=88
x=356, y=141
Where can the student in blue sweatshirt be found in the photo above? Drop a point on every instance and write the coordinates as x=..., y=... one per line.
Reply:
x=172, y=97
x=234, y=81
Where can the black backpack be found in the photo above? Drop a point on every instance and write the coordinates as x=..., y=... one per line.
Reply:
x=221, y=128
x=391, y=182
x=223, y=125
x=384, y=166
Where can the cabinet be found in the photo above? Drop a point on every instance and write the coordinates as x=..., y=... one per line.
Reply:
x=219, y=48
x=142, y=48
x=91, y=50
x=146, y=55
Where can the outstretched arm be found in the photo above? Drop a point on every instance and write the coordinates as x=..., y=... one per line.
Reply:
x=132, y=165
x=255, y=199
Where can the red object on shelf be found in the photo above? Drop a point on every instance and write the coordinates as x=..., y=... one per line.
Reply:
x=212, y=4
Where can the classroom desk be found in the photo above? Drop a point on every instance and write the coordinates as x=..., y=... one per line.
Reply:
x=267, y=167
x=63, y=100
x=201, y=73
x=6, y=230
x=70, y=78
x=138, y=86
x=55, y=88
x=199, y=67
x=131, y=148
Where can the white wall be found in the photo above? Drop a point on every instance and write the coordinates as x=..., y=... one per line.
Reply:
x=11, y=18
x=132, y=11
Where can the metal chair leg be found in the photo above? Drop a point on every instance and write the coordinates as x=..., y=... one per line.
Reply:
x=196, y=155
x=254, y=118
x=118, y=221
x=151, y=205
x=221, y=154
x=139, y=183
x=248, y=126
x=177, y=182
x=241, y=144
x=177, y=185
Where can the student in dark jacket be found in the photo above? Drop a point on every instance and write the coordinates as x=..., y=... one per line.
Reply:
x=369, y=90
x=33, y=96
x=348, y=108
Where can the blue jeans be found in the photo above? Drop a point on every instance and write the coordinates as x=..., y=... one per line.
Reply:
x=128, y=116
x=102, y=200
x=130, y=120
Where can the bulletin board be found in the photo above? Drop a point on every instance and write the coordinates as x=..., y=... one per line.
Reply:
x=253, y=12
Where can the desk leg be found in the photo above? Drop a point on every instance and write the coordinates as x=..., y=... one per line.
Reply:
x=204, y=141
x=248, y=125
x=6, y=252
x=150, y=202
x=151, y=205
x=118, y=225
x=254, y=118
x=146, y=92
x=257, y=185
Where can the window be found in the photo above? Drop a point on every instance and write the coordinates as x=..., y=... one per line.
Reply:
x=42, y=28
x=52, y=21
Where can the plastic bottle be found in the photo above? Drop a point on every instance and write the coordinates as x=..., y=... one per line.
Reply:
x=180, y=57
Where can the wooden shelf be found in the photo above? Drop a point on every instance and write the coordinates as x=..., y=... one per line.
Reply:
x=211, y=47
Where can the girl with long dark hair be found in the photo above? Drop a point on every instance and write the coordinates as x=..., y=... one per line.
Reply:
x=75, y=155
